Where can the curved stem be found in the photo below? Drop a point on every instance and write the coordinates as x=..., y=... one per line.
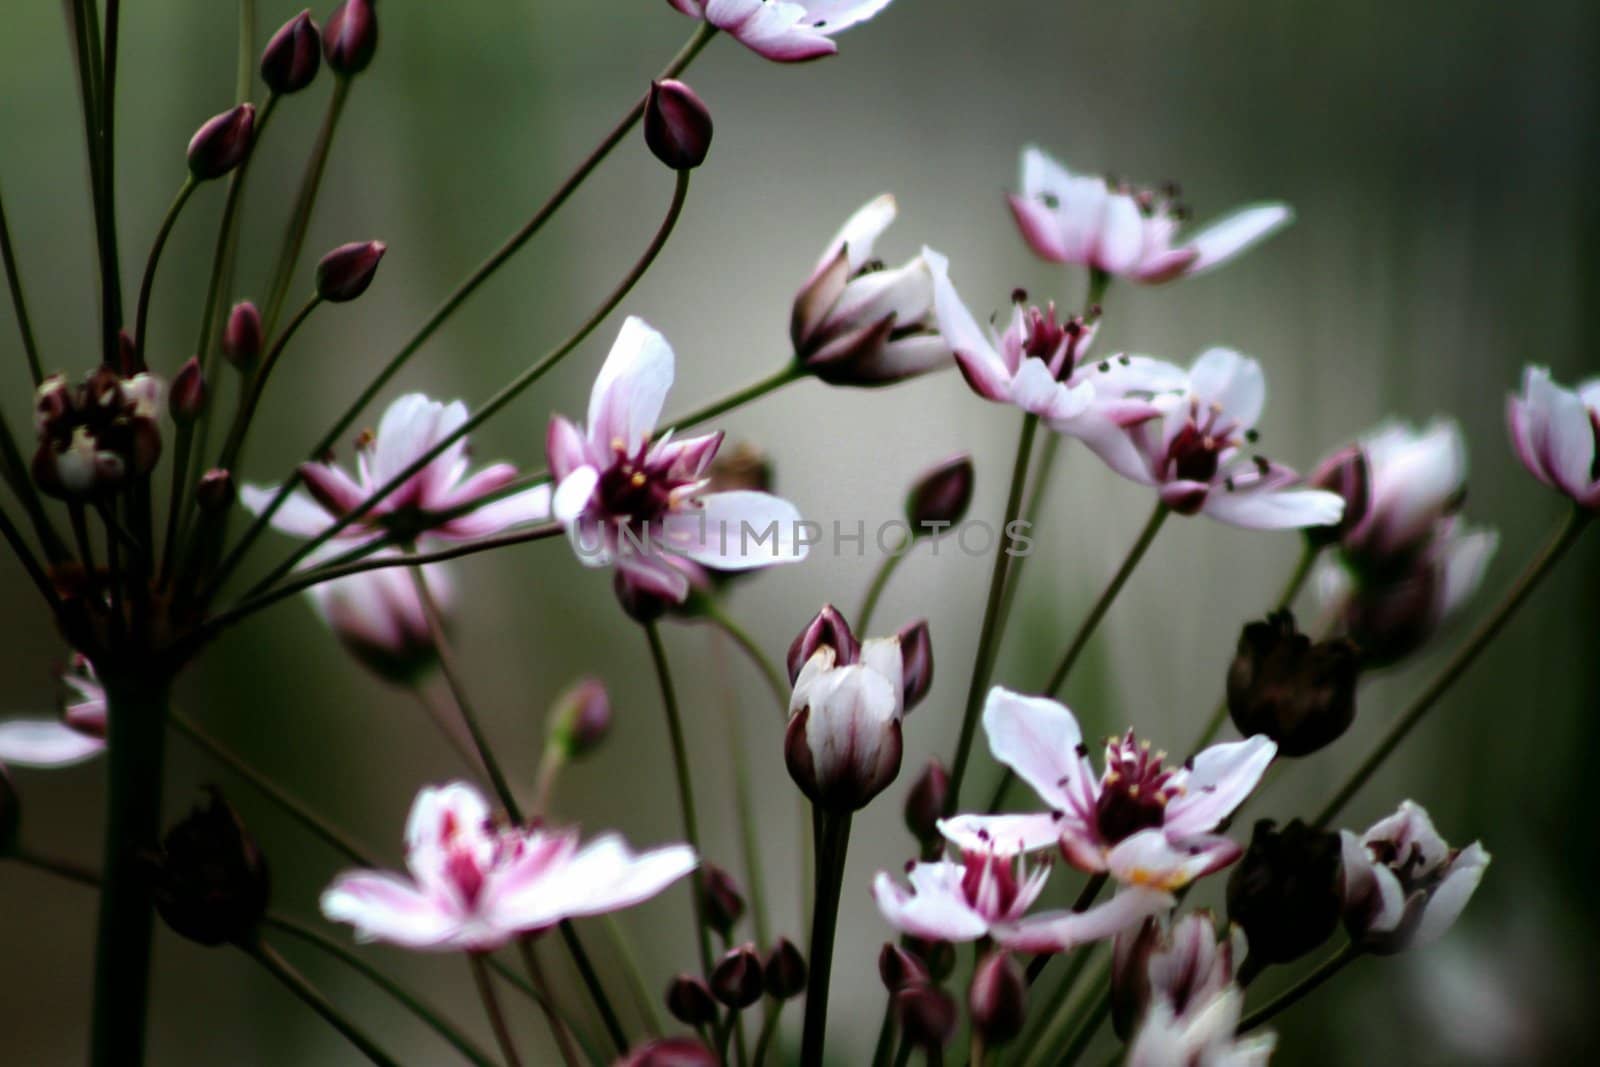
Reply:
x=744, y=806
x=1087, y=1027
x=1086, y=898
x=558, y=1028
x=1297, y=992
x=993, y=623
x=491, y=1007
x=592, y=983
x=644, y=1003
x=298, y=984
x=1574, y=524
x=305, y=203
x=1042, y=471
x=790, y=372
x=880, y=580
x=769, y=1028
x=141, y=318
x=24, y=554
x=775, y=678
x=250, y=395
x=833, y=845
x=19, y=303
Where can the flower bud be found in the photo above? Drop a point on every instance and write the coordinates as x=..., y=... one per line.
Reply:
x=1285, y=891
x=899, y=968
x=927, y=1016
x=925, y=803
x=843, y=745
x=379, y=619
x=347, y=271
x=209, y=880
x=940, y=497
x=580, y=718
x=998, y=999
x=350, y=37
x=689, y=1001
x=737, y=979
x=723, y=903
x=670, y=1052
x=916, y=663
x=1178, y=962
x=127, y=355
x=826, y=629
x=677, y=125
x=215, y=491
x=1344, y=472
x=222, y=143
x=1301, y=695
x=1402, y=884
x=241, y=337
x=187, y=398
x=291, y=59
x=11, y=814
x=785, y=972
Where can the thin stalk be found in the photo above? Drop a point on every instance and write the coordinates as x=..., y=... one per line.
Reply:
x=19, y=476
x=770, y=674
x=1070, y=1014
x=744, y=815
x=141, y=318
x=884, y=1047
x=769, y=1029
x=644, y=1003
x=1042, y=471
x=24, y=554
x=790, y=372
x=1086, y=898
x=19, y=303
x=429, y=1016
x=989, y=634
x=680, y=764
x=105, y=185
x=592, y=983
x=448, y=722
x=1297, y=992
x=305, y=203
x=301, y=987
x=1087, y=1027
x=66, y=869
x=880, y=580
x=244, y=69
x=1075, y=965
x=1575, y=522
x=491, y=1007
x=250, y=396
x=834, y=838
x=558, y=1028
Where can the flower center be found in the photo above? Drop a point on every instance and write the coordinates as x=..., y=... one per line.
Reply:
x=1196, y=451
x=1047, y=336
x=1135, y=790
x=989, y=883
x=635, y=490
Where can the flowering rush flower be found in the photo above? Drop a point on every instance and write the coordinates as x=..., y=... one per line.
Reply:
x=1556, y=433
x=1194, y=452
x=987, y=894
x=79, y=734
x=641, y=503
x=1126, y=232
x=410, y=427
x=1181, y=963
x=1146, y=824
x=856, y=322
x=1204, y=1036
x=785, y=30
x=475, y=886
x=379, y=618
x=1416, y=479
x=1403, y=885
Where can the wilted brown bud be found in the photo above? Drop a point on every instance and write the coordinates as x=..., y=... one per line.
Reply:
x=346, y=272
x=291, y=59
x=785, y=971
x=187, y=397
x=222, y=143
x=350, y=37
x=580, y=718
x=737, y=979
x=940, y=497
x=241, y=337
x=927, y=1016
x=689, y=1000
x=724, y=904
x=677, y=125
x=925, y=803
x=209, y=880
x=1285, y=892
x=1301, y=695
x=998, y=999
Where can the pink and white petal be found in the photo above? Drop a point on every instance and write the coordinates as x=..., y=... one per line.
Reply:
x=442, y=813
x=882, y=655
x=1040, y=228
x=692, y=456
x=1003, y=834
x=572, y=496
x=1219, y=780
x=1061, y=931
x=938, y=913
x=859, y=233
x=1518, y=427
x=497, y=516
x=1116, y=446
x=1042, y=175
x=772, y=28
x=1450, y=897
x=1467, y=560
x=332, y=489
x=1149, y=859
x=692, y=8
x=1223, y=376
x=565, y=447
x=445, y=469
x=1268, y=509
x=1388, y=904
x=1165, y=266
x=906, y=292
x=298, y=515
x=1119, y=242
x=632, y=386
x=832, y=16
x=737, y=530
x=1568, y=444
x=906, y=357
x=654, y=574
x=1039, y=739
x=490, y=479
x=1036, y=391
x=974, y=350
x=1225, y=238
x=45, y=743
x=1116, y=376
x=409, y=427
x=604, y=875
x=383, y=907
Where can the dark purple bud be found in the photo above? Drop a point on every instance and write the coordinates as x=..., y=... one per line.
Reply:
x=927, y=1016
x=827, y=628
x=925, y=803
x=241, y=337
x=127, y=357
x=737, y=979
x=350, y=37
x=222, y=143
x=677, y=125
x=642, y=605
x=1285, y=893
x=580, y=718
x=345, y=273
x=899, y=968
x=1300, y=694
x=11, y=814
x=293, y=56
x=670, y=1052
x=1347, y=473
x=785, y=971
x=689, y=1001
x=209, y=880
x=724, y=904
x=187, y=398
x=940, y=497
x=916, y=662
x=215, y=491
x=998, y=999
x=939, y=957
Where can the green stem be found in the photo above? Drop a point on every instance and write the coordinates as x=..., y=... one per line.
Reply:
x=592, y=983
x=250, y=395
x=18, y=302
x=644, y=1003
x=141, y=318
x=1069, y=1013
x=305, y=203
x=105, y=186
x=491, y=1007
x=1087, y=1027
x=1297, y=992
x=1575, y=523
x=769, y=1029
x=744, y=815
x=791, y=372
x=558, y=1028
x=775, y=678
x=834, y=838
x=298, y=984
x=1030, y=515
x=989, y=634
x=880, y=581
x=24, y=554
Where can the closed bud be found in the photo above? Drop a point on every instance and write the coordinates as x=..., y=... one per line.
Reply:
x=916, y=662
x=1299, y=693
x=925, y=803
x=940, y=497
x=677, y=125
x=241, y=337
x=11, y=814
x=580, y=718
x=938, y=957
x=689, y=1001
x=350, y=37
x=670, y=1052
x=998, y=999
x=222, y=143
x=927, y=1016
x=187, y=398
x=215, y=492
x=827, y=629
x=899, y=968
x=737, y=979
x=723, y=903
x=346, y=272
x=209, y=880
x=1285, y=892
x=1344, y=472
x=785, y=971
x=293, y=56
x=127, y=356
x=1179, y=962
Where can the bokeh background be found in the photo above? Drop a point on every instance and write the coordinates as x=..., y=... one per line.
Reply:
x=1443, y=161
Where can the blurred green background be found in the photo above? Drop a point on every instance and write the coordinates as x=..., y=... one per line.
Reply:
x=1442, y=158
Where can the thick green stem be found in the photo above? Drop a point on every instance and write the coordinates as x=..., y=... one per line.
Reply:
x=833, y=837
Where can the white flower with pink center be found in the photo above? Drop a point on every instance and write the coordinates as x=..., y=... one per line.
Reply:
x=1404, y=886
x=79, y=734
x=784, y=30
x=1556, y=433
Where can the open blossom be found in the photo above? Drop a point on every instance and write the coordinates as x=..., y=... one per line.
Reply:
x=379, y=618
x=988, y=893
x=1556, y=433
x=79, y=734
x=1126, y=232
x=410, y=427
x=1179, y=962
x=857, y=322
x=474, y=886
x=1145, y=823
x=1415, y=480
x=1194, y=452
x=1403, y=885
x=1040, y=365
x=785, y=30
x=641, y=502
x=1205, y=1036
